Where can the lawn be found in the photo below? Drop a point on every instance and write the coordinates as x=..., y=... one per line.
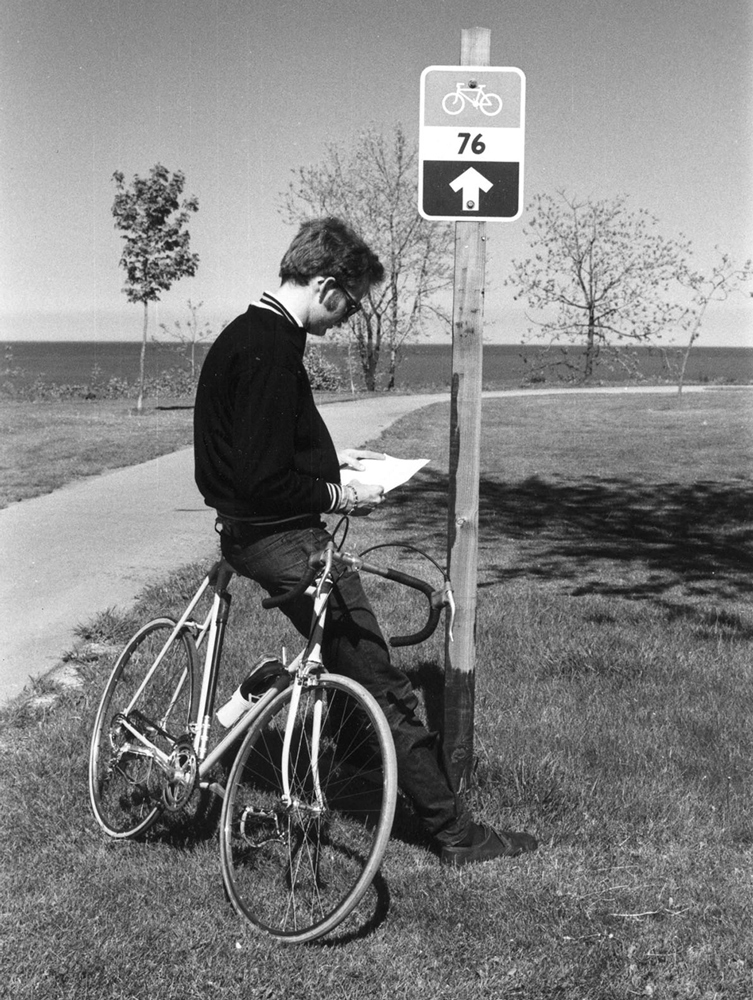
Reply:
x=614, y=693
x=44, y=445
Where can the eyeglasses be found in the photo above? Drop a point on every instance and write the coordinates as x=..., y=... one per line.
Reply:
x=352, y=305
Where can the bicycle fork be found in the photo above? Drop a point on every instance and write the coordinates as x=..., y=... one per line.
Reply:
x=310, y=665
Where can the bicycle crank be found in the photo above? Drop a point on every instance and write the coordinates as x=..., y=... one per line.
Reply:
x=182, y=777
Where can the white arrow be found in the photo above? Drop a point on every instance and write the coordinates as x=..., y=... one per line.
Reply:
x=471, y=182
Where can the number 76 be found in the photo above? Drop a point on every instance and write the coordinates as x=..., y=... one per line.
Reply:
x=477, y=146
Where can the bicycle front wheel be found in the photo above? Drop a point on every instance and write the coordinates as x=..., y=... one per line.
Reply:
x=297, y=865
x=126, y=780
x=491, y=104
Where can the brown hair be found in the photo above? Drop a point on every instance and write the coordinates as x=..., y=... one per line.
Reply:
x=327, y=247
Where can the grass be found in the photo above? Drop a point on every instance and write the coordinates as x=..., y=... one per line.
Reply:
x=45, y=445
x=614, y=694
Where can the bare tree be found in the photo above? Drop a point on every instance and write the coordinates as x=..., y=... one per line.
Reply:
x=725, y=278
x=600, y=277
x=156, y=251
x=372, y=185
x=186, y=341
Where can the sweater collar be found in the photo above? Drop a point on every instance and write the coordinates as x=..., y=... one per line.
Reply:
x=268, y=301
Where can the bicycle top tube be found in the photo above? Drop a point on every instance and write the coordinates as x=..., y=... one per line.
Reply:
x=320, y=564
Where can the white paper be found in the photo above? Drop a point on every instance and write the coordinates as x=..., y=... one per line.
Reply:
x=387, y=473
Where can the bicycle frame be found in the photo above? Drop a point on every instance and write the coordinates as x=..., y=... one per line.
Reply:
x=302, y=670
x=300, y=736
x=210, y=633
x=474, y=95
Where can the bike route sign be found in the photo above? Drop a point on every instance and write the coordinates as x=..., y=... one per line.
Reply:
x=471, y=143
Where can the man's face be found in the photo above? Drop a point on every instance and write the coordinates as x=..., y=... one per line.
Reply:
x=333, y=304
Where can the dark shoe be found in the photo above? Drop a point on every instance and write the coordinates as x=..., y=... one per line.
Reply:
x=486, y=845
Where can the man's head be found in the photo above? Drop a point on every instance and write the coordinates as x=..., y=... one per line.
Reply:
x=330, y=260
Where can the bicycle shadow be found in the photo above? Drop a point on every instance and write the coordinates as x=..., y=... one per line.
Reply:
x=614, y=536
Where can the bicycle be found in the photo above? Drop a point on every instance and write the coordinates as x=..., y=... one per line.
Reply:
x=308, y=806
x=475, y=95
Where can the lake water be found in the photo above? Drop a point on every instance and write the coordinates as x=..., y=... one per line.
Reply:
x=423, y=365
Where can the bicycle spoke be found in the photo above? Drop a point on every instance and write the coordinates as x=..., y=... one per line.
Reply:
x=143, y=712
x=300, y=876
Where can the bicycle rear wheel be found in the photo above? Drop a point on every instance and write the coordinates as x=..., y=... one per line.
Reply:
x=295, y=869
x=126, y=783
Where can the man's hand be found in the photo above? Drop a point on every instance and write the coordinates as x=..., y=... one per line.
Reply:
x=350, y=458
x=367, y=498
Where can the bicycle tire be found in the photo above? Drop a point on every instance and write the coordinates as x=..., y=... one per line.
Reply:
x=491, y=105
x=453, y=104
x=124, y=786
x=291, y=873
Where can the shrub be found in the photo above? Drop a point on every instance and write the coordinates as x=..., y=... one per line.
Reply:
x=324, y=375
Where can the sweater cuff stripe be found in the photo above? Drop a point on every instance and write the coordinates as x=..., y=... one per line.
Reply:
x=335, y=497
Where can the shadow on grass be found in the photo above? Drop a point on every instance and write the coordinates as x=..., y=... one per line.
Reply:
x=614, y=537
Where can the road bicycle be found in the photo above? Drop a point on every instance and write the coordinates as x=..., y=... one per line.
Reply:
x=308, y=806
x=475, y=95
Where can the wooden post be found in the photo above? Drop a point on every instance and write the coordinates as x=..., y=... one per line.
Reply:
x=465, y=441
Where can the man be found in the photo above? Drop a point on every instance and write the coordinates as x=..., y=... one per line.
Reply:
x=265, y=461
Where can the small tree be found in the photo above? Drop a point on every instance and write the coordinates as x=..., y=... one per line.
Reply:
x=372, y=185
x=725, y=278
x=156, y=251
x=601, y=277
x=186, y=341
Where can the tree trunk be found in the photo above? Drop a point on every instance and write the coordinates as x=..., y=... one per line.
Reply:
x=142, y=360
x=392, y=369
x=368, y=347
x=590, y=349
x=683, y=366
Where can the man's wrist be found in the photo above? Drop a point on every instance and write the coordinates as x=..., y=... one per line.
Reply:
x=351, y=498
x=348, y=500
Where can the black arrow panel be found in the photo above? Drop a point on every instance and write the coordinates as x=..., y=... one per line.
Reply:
x=501, y=201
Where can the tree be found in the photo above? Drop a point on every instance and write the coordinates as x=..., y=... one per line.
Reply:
x=725, y=278
x=372, y=185
x=602, y=277
x=189, y=339
x=156, y=251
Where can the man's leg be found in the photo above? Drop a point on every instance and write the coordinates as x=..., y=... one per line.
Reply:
x=354, y=646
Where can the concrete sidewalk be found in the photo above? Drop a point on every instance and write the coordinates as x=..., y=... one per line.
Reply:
x=95, y=544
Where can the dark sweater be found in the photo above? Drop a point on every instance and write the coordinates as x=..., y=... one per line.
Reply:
x=262, y=450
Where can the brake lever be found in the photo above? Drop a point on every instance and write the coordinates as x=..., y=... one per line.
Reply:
x=448, y=600
x=326, y=569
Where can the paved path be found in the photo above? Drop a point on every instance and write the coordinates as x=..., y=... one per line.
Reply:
x=95, y=544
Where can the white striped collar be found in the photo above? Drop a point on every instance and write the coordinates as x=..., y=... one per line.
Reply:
x=268, y=301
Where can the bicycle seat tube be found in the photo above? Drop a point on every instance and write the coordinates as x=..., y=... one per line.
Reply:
x=218, y=624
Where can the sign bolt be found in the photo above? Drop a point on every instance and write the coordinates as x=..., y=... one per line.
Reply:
x=470, y=204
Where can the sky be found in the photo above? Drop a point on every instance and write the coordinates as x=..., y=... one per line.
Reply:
x=652, y=99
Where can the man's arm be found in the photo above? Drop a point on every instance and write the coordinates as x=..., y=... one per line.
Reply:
x=267, y=472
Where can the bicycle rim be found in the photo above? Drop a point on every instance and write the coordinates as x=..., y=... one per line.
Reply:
x=296, y=870
x=125, y=781
x=492, y=105
x=453, y=104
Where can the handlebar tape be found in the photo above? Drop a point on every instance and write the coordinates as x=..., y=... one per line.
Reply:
x=435, y=606
x=435, y=610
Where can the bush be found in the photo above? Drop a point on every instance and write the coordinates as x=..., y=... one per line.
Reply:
x=171, y=382
x=323, y=374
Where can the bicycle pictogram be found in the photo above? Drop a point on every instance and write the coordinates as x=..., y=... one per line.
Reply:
x=474, y=94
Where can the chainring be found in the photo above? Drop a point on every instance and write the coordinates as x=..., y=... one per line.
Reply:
x=182, y=783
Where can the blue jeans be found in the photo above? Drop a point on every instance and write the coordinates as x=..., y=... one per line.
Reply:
x=354, y=646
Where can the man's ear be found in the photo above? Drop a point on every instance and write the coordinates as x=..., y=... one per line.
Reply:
x=323, y=286
x=327, y=285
